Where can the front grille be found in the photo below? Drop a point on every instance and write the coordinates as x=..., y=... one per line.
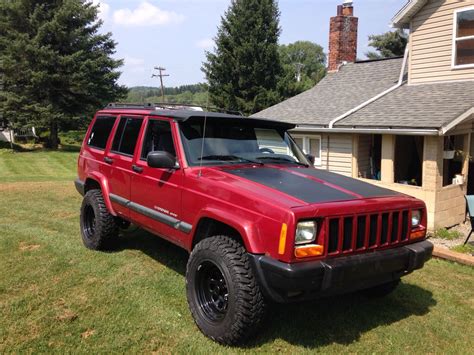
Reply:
x=369, y=231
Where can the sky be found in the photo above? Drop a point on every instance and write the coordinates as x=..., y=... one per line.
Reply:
x=175, y=34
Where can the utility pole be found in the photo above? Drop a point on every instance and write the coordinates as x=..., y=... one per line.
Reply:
x=161, y=75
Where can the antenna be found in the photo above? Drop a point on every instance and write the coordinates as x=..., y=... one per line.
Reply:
x=204, y=132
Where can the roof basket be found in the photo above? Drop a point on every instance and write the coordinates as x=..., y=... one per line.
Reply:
x=169, y=106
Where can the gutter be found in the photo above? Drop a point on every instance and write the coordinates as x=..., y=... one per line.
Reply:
x=457, y=121
x=400, y=131
x=375, y=98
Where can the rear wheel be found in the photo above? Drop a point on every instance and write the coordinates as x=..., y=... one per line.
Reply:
x=223, y=294
x=98, y=226
x=382, y=290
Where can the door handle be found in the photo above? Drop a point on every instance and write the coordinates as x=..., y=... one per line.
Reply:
x=137, y=169
x=108, y=160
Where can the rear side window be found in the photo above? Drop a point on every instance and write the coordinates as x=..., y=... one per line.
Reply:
x=100, y=131
x=126, y=136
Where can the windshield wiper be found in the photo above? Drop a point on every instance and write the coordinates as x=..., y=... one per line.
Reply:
x=229, y=158
x=285, y=160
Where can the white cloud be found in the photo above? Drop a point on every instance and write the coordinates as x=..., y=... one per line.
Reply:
x=206, y=43
x=146, y=14
x=104, y=9
x=134, y=65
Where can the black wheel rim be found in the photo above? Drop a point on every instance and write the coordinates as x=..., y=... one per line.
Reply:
x=89, y=222
x=212, y=292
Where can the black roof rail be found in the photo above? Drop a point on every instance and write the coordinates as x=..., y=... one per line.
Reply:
x=169, y=106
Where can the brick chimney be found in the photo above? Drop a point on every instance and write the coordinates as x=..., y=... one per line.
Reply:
x=342, y=37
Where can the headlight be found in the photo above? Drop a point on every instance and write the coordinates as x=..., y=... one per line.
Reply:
x=306, y=232
x=415, y=218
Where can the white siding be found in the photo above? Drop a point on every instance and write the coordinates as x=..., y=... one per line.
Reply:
x=339, y=146
x=432, y=41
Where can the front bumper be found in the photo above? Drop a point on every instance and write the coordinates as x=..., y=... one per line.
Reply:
x=284, y=282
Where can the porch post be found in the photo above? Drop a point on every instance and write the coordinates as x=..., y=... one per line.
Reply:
x=388, y=158
x=355, y=156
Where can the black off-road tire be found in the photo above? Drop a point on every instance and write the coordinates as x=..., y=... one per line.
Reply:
x=98, y=227
x=381, y=290
x=245, y=307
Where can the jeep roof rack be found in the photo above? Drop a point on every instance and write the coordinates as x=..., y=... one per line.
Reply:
x=168, y=106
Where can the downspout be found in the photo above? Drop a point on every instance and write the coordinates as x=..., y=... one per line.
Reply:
x=375, y=98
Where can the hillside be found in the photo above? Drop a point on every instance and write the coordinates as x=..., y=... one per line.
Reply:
x=186, y=94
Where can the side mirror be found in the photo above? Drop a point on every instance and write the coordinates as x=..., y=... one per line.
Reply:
x=161, y=159
x=311, y=158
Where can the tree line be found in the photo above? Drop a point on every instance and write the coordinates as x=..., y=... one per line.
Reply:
x=57, y=68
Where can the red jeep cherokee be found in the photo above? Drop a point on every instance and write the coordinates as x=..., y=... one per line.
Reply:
x=259, y=221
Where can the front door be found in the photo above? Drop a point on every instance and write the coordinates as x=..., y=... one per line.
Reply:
x=156, y=193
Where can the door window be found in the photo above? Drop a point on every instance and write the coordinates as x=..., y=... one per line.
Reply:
x=100, y=131
x=158, y=137
x=126, y=136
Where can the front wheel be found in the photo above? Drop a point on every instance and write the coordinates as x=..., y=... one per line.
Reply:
x=222, y=291
x=98, y=227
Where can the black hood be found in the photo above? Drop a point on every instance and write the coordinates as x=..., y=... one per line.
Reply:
x=311, y=185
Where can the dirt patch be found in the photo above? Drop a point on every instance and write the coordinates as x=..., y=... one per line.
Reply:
x=67, y=316
x=28, y=247
x=88, y=333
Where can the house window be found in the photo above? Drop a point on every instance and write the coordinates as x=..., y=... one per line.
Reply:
x=453, y=159
x=310, y=145
x=369, y=156
x=409, y=160
x=463, y=44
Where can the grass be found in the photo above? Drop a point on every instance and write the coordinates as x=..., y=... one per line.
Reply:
x=57, y=296
x=444, y=233
x=466, y=249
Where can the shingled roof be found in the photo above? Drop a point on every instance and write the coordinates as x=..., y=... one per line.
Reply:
x=417, y=107
x=337, y=93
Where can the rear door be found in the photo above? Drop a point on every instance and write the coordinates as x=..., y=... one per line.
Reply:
x=156, y=193
x=96, y=145
x=120, y=158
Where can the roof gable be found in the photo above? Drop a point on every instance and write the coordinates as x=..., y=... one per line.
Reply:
x=403, y=17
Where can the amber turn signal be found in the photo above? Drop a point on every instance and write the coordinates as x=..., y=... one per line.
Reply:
x=417, y=234
x=310, y=250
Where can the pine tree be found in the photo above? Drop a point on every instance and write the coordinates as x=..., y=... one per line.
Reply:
x=54, y=64
x=389, y=44
x=243, y=71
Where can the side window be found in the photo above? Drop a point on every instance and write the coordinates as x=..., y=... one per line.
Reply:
x=100, y=131
x=464, y=38
x=126, y=137
x=158, y=137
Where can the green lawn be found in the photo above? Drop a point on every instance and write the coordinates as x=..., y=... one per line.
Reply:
x=57, y=296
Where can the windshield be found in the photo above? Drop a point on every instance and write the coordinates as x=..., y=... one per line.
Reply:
x=238, y=142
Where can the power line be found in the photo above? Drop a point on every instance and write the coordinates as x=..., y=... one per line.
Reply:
x=161, y=75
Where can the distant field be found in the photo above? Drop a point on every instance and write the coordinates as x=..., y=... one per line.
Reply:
x=57, y=296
